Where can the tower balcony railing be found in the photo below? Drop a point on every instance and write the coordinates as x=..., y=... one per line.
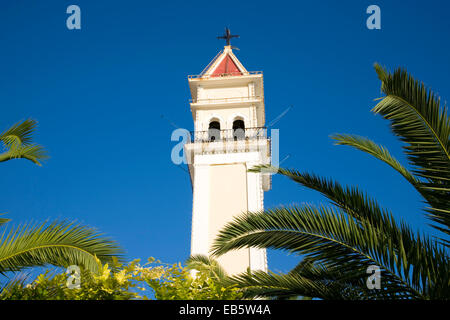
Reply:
x=222, y=75
x=225, y=100
x=229, y=135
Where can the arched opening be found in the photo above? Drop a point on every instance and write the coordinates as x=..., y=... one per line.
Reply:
x=214, y=131
x=238, y=129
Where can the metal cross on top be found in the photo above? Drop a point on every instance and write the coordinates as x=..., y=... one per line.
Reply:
x=228, y=36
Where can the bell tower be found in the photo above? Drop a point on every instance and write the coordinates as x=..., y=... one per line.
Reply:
x=227, y=107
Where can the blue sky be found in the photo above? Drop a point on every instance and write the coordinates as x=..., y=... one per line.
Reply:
x=99, y=94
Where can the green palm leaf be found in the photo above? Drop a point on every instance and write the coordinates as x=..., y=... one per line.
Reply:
x=350, y=199
x=56, y=243
x=329, y=236
x=17, y=143
x=260, y=284
x=20, y=132
x=309, y=279
x=379, y=152
x=418, y=119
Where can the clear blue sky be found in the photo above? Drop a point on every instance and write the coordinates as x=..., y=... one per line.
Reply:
x=99, y=93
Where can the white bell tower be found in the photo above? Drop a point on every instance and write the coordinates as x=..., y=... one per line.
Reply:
x=227, y=106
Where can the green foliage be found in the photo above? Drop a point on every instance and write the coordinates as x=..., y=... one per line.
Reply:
x=113, y=282
x=116, y=281
x=197, y=281
x=341, y=241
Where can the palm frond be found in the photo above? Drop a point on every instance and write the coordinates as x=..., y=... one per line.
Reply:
x=419, y=121
x=327, y=235
x=56, y=243
x=260, y=284
x=17, y=142
x=350, y=199
x=20, y=133
x=379, y=152
x=311, y=279
x=33, y=153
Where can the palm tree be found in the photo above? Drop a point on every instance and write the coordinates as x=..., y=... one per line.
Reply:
x=340, y=241
x=59, y=243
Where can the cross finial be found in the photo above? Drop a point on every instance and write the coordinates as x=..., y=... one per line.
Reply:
x=228, y=36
